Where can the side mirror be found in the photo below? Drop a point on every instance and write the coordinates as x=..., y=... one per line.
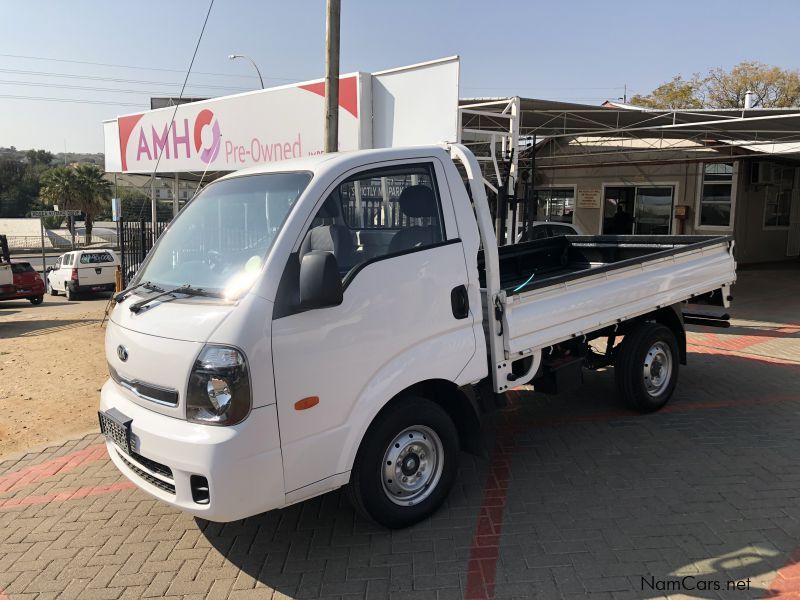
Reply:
x=320, y=282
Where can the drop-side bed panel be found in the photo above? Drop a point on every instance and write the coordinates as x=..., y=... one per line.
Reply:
x=572, y=303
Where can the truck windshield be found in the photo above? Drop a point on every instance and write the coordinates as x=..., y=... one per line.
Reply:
x=221, y=238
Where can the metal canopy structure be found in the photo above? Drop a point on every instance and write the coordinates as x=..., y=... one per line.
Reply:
x=547, y=118
x=507, y=135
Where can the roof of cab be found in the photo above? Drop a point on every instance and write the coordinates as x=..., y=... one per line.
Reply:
x=323, y=161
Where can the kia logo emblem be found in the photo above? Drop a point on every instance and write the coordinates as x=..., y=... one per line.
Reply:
x=122, y=353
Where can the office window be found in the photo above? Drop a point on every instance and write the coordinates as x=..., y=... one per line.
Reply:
x=555, y=204
x=716, y=197
x=779, y=200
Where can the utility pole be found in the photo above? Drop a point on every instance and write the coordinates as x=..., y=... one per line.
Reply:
x=332, y=75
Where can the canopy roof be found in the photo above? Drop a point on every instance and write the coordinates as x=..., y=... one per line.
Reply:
x=772, y=131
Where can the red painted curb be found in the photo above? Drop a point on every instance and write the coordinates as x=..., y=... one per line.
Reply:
x=85, y=492
x=19, y=479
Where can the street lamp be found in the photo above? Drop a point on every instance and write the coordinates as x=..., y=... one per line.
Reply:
x=252, y=62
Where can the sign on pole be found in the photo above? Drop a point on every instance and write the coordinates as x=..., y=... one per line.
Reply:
x=116, y=209
x=55, y=213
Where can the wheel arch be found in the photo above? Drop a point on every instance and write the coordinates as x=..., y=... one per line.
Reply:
x=672, y=317
x=458, y=402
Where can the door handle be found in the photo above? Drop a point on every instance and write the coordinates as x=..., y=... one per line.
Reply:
x=459, y=302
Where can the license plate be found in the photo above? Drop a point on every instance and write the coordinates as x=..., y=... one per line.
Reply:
x=24, y=291
x=117, y=428
x=97, y=287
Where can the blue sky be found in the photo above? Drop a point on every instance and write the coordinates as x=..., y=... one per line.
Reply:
x=581, y=51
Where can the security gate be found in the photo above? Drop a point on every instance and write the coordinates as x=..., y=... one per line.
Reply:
x=135, y=241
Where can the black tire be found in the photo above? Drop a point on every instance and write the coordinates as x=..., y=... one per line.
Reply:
x=367, y=490
x=69, y=294
x=646, y=389
x=36, y=300
x=53, y=291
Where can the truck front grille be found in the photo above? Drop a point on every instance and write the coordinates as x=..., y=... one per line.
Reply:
x=166, y=486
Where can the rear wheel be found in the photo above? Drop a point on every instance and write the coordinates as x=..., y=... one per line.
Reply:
x=406, y=464
x=646, y=368
x=36, y=300
x=69, y=293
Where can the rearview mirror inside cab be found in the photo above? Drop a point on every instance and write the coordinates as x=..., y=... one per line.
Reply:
x=320, y=281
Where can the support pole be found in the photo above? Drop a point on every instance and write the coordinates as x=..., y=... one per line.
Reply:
x=175, y=205
x=332, y=76
x=153, y=207
x=44, y=265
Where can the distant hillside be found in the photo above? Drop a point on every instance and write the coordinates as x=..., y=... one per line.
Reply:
x=72, y=157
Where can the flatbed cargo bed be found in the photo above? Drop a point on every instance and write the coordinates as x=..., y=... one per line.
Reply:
x=541, y=263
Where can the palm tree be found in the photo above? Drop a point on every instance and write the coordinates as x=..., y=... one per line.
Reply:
x=93, y=191
x=82, y=188
x=60, y=186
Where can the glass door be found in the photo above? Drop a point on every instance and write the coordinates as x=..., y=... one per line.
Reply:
x=653, y=210
x=618, y=208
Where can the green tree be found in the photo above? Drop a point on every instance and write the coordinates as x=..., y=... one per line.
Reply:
x=94, y=192
x=772, y=87
x=19, y=186
x=675, y=94
x=59, y=186
x=39, y=157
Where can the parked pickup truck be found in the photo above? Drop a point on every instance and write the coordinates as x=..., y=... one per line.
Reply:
x=346, y=319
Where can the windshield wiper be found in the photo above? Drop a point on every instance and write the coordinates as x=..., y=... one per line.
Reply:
x=186, y=290
x=127, y=292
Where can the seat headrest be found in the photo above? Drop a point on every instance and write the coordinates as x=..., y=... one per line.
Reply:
x=329, y=209
x=418, y=201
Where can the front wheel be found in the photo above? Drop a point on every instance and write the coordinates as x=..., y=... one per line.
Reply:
x=406, y=464
x=53, y=291
x=646, y=368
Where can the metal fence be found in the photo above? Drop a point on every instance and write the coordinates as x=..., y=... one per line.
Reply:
x=53, y=241
x=136, y=239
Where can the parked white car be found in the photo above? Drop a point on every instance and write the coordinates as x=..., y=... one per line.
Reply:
x=546, y=229
x=332, y=321
x=83, y=271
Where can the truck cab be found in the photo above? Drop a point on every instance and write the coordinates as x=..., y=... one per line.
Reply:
x=339, y=321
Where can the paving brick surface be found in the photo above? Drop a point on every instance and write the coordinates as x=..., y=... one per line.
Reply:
x=575, y=498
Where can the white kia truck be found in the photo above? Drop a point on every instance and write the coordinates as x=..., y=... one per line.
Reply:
x=346, y=319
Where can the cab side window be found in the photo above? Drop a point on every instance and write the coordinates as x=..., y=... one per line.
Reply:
x=376, y=214
x=68, y=259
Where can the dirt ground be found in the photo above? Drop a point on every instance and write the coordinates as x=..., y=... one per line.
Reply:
x=51, y=369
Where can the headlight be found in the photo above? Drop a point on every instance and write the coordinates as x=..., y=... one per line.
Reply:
x=219, y=387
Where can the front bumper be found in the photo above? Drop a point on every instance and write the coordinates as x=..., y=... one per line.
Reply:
x=242, y=463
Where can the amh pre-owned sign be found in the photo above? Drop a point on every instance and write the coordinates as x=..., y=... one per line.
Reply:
x=243, y=130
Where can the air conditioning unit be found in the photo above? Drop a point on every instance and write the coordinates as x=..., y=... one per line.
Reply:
x=764, y=173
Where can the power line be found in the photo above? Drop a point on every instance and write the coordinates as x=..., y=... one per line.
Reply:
x=98, y=64
x=119, y=80
x=73, y=100
x=174, y=112
x=84, y=88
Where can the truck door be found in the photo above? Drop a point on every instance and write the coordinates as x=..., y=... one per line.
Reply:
x=393, y=232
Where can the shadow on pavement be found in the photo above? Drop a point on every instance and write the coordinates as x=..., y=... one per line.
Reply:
x=33, y=327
